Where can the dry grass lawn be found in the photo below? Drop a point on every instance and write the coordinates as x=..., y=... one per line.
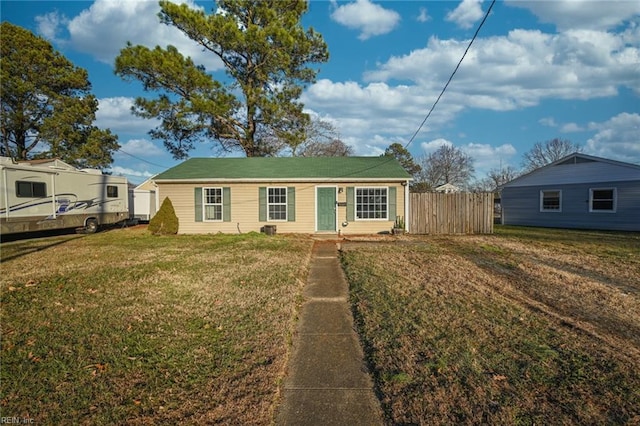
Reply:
x=527, y=326
x=124, y=327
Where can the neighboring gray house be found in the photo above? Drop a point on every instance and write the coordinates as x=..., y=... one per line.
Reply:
x=577, y=191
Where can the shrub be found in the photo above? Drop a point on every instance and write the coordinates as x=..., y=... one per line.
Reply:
x=165, y=221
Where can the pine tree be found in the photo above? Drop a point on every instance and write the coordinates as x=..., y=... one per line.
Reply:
x=47, y=104
x=265, y=51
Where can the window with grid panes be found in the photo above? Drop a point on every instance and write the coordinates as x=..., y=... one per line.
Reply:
x=212, y=203
x=277, y=203
x=371, y=203
x=551, y=201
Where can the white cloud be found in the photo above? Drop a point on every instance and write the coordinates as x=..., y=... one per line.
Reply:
x=587, y=14
x=548, y=122
x=570, y=128
x=466, y=14
x=616, y=138
x=424, y=15
x=369, y=18
x=115, y=114
x=49, y=25
x=432, y=146
x=128, y=172
x=522, y=68
x=515, y=71
x=389, y=112
x=487, y=157
x=142, y=147
x=106, y=26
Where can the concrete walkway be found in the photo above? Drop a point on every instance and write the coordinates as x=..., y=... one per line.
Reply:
x=327, y=381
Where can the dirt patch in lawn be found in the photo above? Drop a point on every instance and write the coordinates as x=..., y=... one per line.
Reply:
x=501, y=329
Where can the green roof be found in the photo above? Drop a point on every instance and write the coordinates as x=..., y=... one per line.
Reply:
x=287, y=168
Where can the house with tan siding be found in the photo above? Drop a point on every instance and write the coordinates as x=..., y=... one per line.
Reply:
x=334, y=195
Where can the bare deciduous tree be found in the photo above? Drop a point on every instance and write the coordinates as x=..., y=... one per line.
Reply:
x=322, y=140
x=543, y=153
x=447, y=165
x=496, y=178
x=334, y=148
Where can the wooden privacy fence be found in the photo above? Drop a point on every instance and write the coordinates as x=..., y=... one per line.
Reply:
x=457, y=213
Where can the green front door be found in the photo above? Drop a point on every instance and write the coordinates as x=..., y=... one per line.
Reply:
x=326, y=209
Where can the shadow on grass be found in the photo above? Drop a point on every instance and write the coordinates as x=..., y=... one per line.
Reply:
x=34, y=242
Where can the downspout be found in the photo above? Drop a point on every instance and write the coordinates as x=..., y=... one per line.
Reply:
x=406, y=206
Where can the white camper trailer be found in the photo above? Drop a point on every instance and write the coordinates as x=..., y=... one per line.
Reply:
x=50, y=194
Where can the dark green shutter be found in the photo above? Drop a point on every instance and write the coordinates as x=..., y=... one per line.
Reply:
x=291, y=204
x=226, y=204
x=351, y=215
x=392, y=203
x=198, y=204
x=262, y=203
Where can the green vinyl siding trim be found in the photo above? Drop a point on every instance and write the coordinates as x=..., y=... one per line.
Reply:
x=198, y=203
x=351, y=211
x=392, y=203
x=291, y=204
x=226, y=204
x=262, y=204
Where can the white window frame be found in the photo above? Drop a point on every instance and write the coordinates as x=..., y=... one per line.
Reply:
x=615, y=200
x=205, y=204
x=559, y=209
x=386, y=205
x=285, y=203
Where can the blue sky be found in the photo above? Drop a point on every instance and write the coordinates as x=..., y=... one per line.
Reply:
x=538, y=70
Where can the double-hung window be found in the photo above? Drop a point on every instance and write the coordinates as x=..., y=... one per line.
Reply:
x=602, y=200
x=551, y=200
x=277, y=203
x=212, y=203
x=372, y=203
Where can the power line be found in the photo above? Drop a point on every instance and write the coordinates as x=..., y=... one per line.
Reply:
x=142, y=159
x=486, y=15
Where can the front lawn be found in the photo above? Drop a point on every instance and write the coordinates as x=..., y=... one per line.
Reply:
x=526, y=326
x=125, y=327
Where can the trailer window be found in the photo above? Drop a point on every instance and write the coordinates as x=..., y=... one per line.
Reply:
x=112, y=191
x=31, y=189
